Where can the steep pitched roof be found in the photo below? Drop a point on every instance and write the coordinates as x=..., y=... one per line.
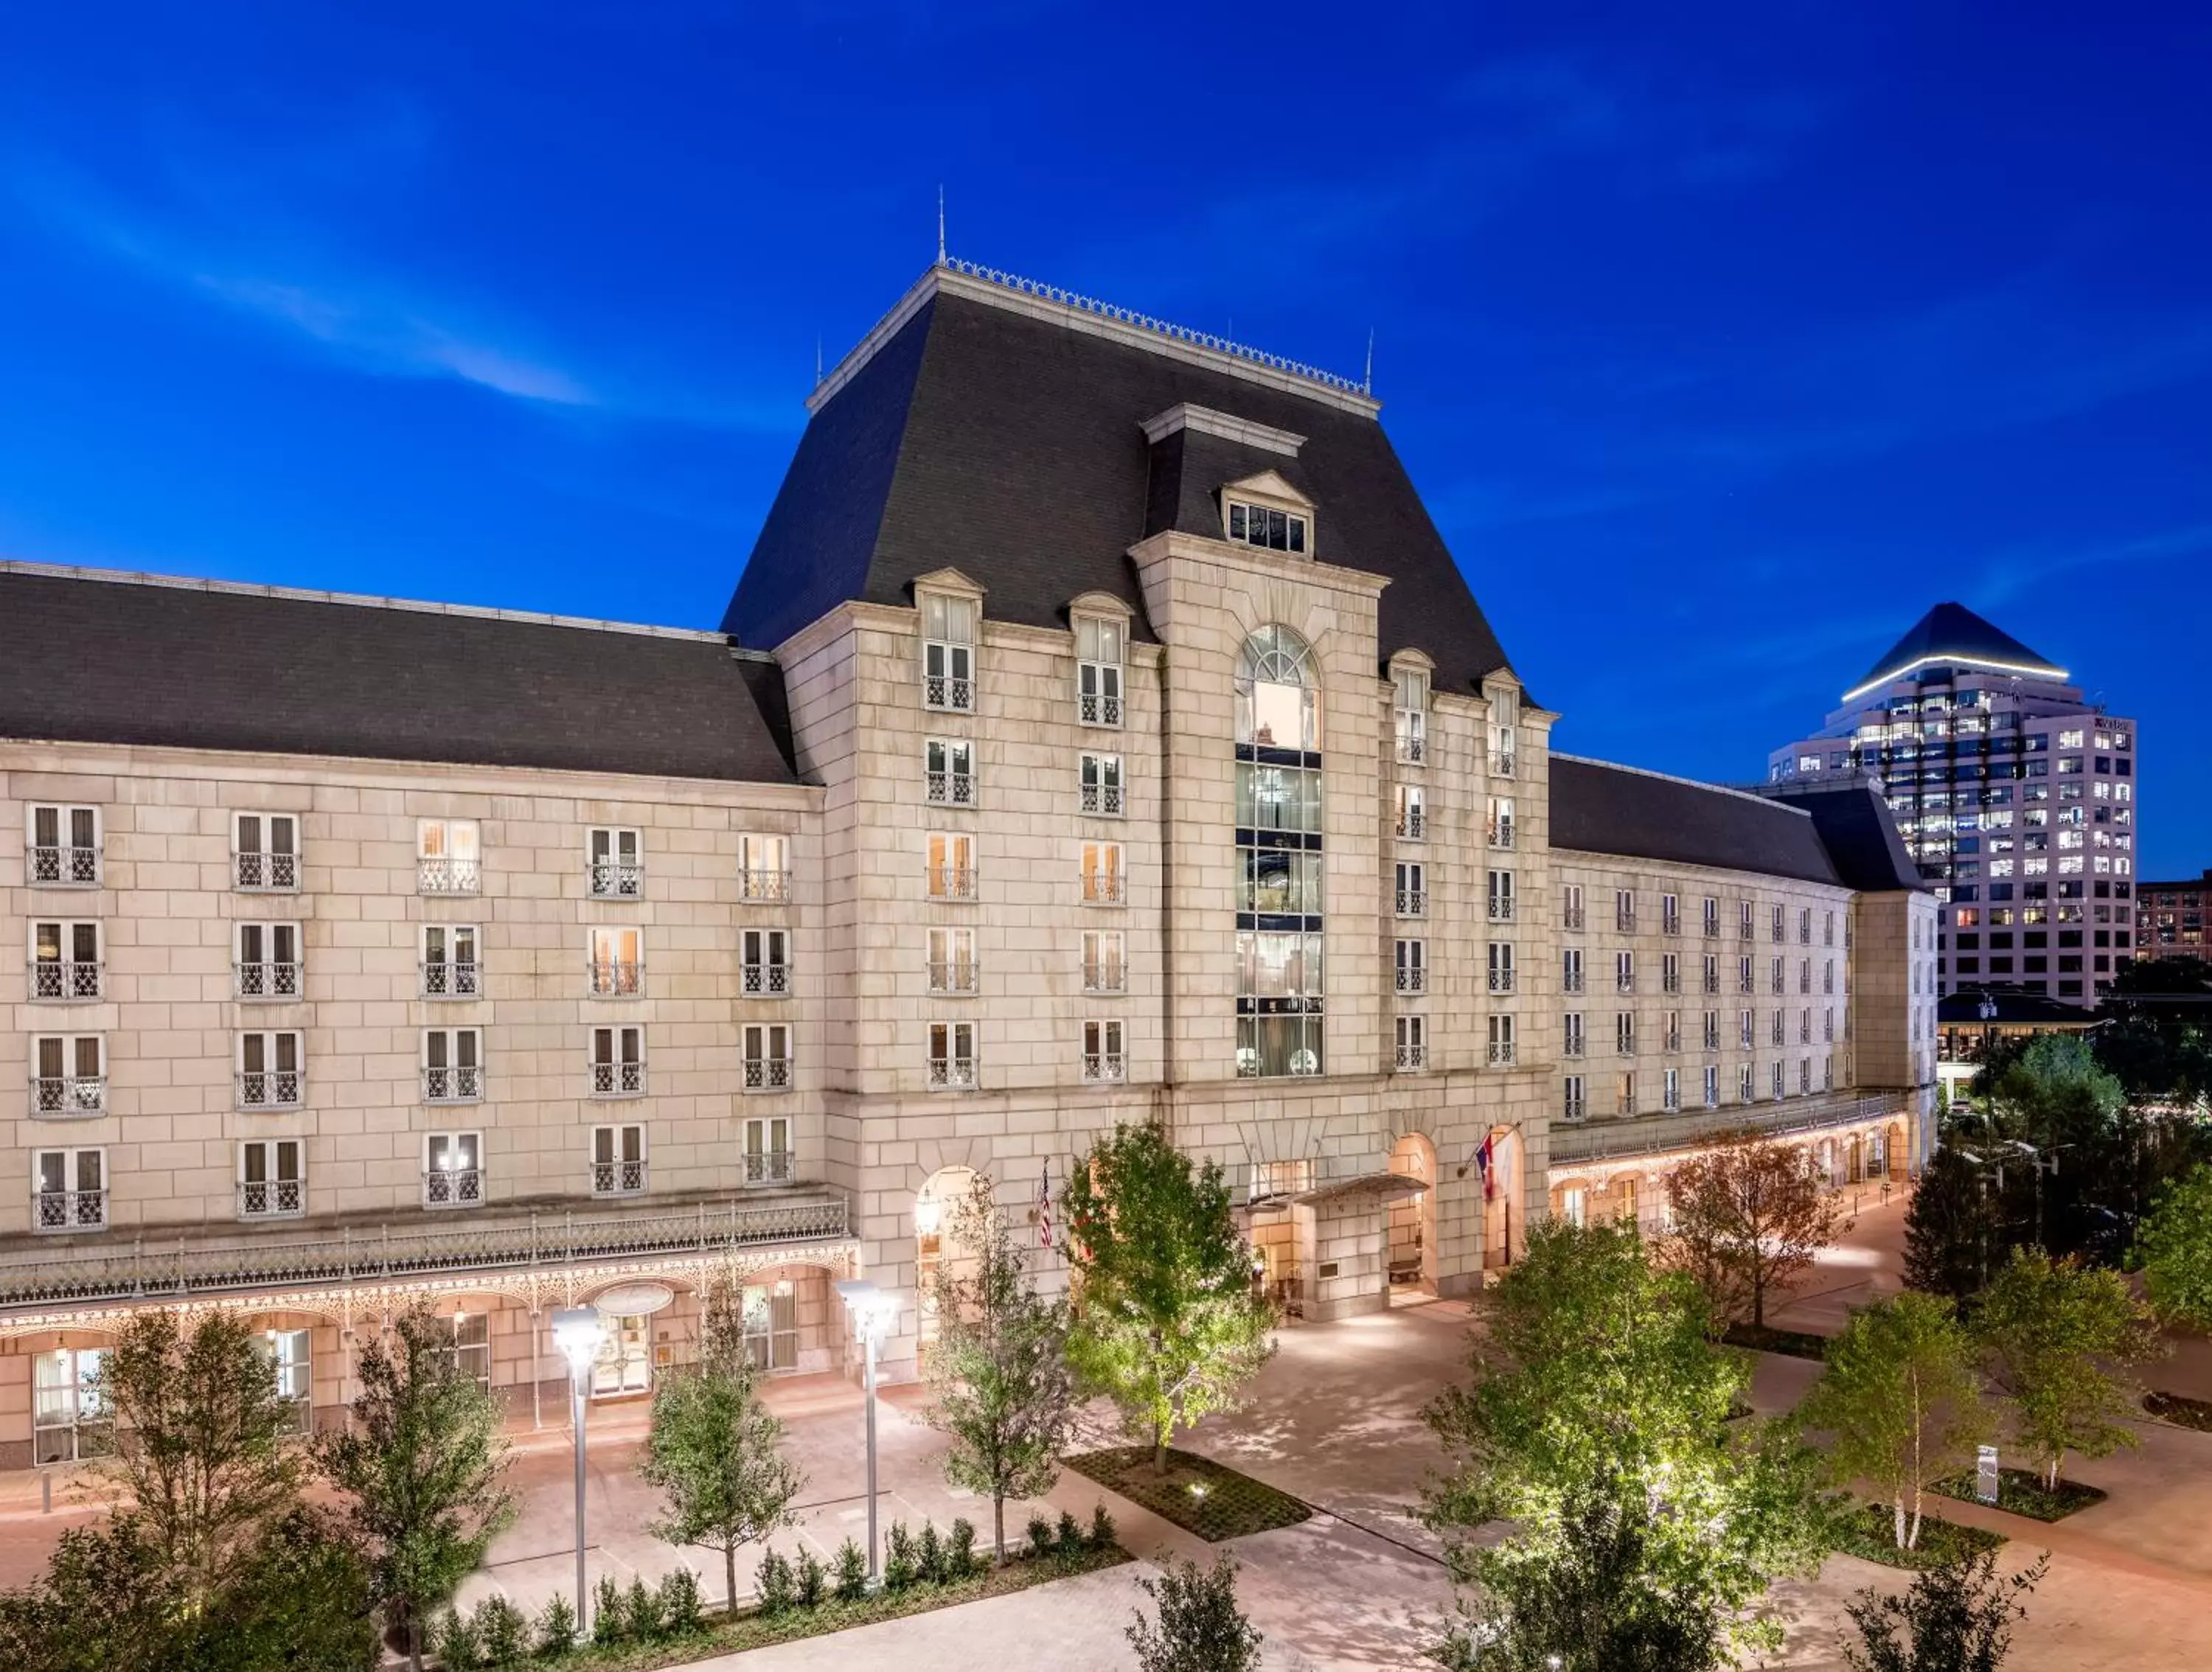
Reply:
x=1598, y=808
x=1002, y=434
x=1857, y=829
x=198, y=665
x=1953, y=632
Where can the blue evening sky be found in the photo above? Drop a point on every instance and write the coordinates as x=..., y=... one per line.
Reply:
x=1721, y=341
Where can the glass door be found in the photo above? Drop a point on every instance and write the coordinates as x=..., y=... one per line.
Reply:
x=625, y=1362
x=771, y=1314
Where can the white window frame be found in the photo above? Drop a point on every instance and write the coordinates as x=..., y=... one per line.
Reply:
x=614, y=961
x=1501, y=897
x=624, y=1168
x=769, y=1149
x=1574, y=1037
x=1297, y=526
x=68, y=979
x=272, y=1196
x=77, y=1207
x=453, y=1081
x=271, y=1086
x=449, y=978
x=619, y=1071
x=948, y=772
x=1413, y=1042
x=1410, y=687
x=1498, y=826
x=1100, y=678
x=948, y=659
x=763, y=866
x=765, y=962
x=1503, y=1048
x=1571, y=906
x=1412, y=890
x=263, y=867
x=952, y=1057
x=1412, y=823
x=1574, y=1100
x=1105, y=1056
x=1712, y=1087
x=1101, y=788
x=64, y=863
x=1410, y=957
x=1105, y=960
x=1624, y=1033
x=1104, y=872
x=765, y=1069
x=72, y=1094
x=269, y=980
x=450, y=1187
x=609, y=873
x=448, y=856
x=1501, y=966
x=949, y=866
x=949, y=955
x=1573, y=976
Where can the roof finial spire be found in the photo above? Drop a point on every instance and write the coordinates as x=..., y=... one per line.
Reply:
x=1367, y=383
x=940, y=223
x=817, y=360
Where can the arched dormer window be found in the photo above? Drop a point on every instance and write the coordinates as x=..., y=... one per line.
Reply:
x=1278, y=706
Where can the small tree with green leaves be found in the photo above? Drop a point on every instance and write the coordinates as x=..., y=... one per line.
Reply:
x=1900, y=1396
x=204, y=1449
x=2174, y=1248
x=1200, y=1628
x=1956, y=1617
x=2058, y=1338
x=1167, y=1323
x=999, y=1382
x=423, y=1470
x=1950, y=1227
x=714, y=1451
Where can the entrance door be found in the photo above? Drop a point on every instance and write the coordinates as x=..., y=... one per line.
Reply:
x=771, y=1312
x=69, y=1419
x=625, y=1361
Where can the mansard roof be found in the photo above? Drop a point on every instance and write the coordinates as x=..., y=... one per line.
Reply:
x=1003, y=434
x=137, y=659
x=1953, y=632
x=1841, y=836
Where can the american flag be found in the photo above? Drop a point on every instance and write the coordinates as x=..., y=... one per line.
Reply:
x=1482, y=1165
x=1044, y=1206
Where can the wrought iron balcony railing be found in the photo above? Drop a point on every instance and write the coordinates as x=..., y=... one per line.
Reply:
x=457, y=1084
x=1576, y=1045
x=1572, y=982
x=453, y=1187
x=266, y=873
x=449, y=978
x=1105, y=978
x=1501, y=1053
x=1500, y=832
x=1413, y=978
x=1098, y=708
x=618, y=1080
x=1412, y=1056
x=1105, y=888
x=1412, y=748
x=68, y=1097
x=1571, y=918
x=66, y=980
x=1501, y=980
x=614, y=978
x=618, y=1179
x=949, y=691
x=951, y=789
x=953, y=1073
x=272, y=1198
x=771, y=1166
x=959, y=975
x=763, y=885
x=447, y=873
x=269, y=979
x=69, y=1210
x=1103, y=799
x=270, y=1088
x=1413, y=903
x=63, y=864
x=765, y=981
x=1104, y=1067
x=1572, y=1108
x=949, y=882
x=1412, y=824
x=767, y=1073
x=616, y=879
x=1501, y=911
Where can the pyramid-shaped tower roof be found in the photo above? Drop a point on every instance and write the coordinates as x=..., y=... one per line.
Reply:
x=1953, y=632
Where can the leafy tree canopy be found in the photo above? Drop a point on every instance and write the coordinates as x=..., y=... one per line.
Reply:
x=2058, y=1338
x=2175, y=1250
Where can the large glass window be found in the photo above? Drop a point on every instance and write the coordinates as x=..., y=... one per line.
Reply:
x=1279, y=837
x=1276, y=706
x=69, y=1419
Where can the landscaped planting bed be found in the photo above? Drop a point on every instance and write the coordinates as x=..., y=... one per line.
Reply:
x=2023, y=1492
x=1868, y=1532
x=1765, y=1338
x=1198, y=1494
x=2180, y=1410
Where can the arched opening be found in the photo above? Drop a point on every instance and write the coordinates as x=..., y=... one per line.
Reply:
x=1574, y=1200
x=1412, y=1230
x=1279, y=823
x=1503, y=1236
x=69, y=1419
x=936, y=1206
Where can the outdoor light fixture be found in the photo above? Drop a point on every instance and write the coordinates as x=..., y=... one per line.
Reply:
x=873, y=1310
x=579, y=1332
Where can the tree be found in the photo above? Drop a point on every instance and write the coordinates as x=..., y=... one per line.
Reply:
x=1900, y=1394
x=1200, y=1628
x=1595, y=1603
x=2058, y=1337
x=1598, y=1380
x=714, y=1449
x=2175, y=1249
x=1956, y=1617
x=1749, y=1216
x=1948, y=1227
x=1166, y=1322
x=999, y=1377
x=204, y=1450
x=423, y=1468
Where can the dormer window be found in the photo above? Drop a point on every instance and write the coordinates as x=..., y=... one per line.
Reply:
x=948, y=652
x=1274, y=531
x=1098, y=653
x=1413, y=715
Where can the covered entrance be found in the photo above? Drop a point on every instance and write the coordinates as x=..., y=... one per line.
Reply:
x=1412, y=1267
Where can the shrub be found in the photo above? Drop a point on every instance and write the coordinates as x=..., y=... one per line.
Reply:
x=1040, y=1536
x=851, y=1580
x=456, y=1641
x=929, y=1554
x=609, y=1619
x=503, y=1632
x=960, y=1549
x=680, y=1613
x=642, y=1609
x=556, y=1628
x=1070, y=1531
x=1102, y=1528
x=772, y=1578
x=901, y=1565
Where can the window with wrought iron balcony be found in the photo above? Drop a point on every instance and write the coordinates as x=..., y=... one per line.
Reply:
x=1412, y=891
x=1099, y=786
x=949, y=772
x=617, y=1166
x=449, y=966
x=68, y=1076
x=1674, y=1040
x=1573, y=1105
x=71, y=1193
x=1670, y=975
x=1624, y=973
x=951, y=1056
x=266, y=853
x=1501, y=1054
x=952, y=965
x=1501, y=897
x=1712, y=1033
x=1573, y=1041
x=1623, y=1035
x=948, y=652
x=452, y=1068
x=768, y=1058
x=764, y=963
x=452, y=1172
x=768, y=1155
x=65, y=847
x=763, y=869
x=949, y=874
x=1104, y=1063
x=1412, y=962
x=273, y=1198
x=1501, y=978
x=1413, y=1042
x=1105, y=962
x=1413, y=817
x=267, y=963
x=268, y=1074
x=1571, y=973
x=1670, y=921
x=1098, y=670
x=618, y=1062
x=614, y=864
x=448, y=856
x=65, y=964
x=614, y=966
x=1498, y=826
x=1105, y=882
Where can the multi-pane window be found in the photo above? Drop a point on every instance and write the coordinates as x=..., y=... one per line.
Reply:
x=1098, y=660
x=1105, y=882
x=1497, y=824
x=949, y=772
x=767, y=1150
x=764, y=963
x=1777, y=1027
x=1712, y=1085
x=449, y=964
x=1099, y=781
x=1413, y=1041
x=1804, y=1075
x=1670, y=1089
x=1805, y=925
x=272, y=1179
x=1777, y=1082
x=1779, y=917
x=1744, y=1031
x=1712, y=1030
x=949, y=869
x=1103, y=1060
x=69, y=1075
x=618, y=1160
x=1670, y=972
x=1413, y=888
x=1413, y=715
x=1501, y=897
x=268, y=961
x=1828, y=928
x=62, y=847
x=1745, y=980
x=1571, y=906
x=1504, y=713
x=952, y=961
x=1279, y=994
x=615, y=963
x=453, y=1168
x=952, y=1056
x=1670, y=914
x=265, y=852
x=764, y=866
x=1105, y=960
x=1828, y=975
x=1573, y=1040
x=1279, y=988
x=269, y=1071
x=948, y=652
x=1673, y=1030
x=1624, y=972
x=1413, y=819
x=1412, y=958
x=1574, y=1103
x=1828, y=1025
x=1272, y=530
x=1624, y=1092
x=69, y=1190
x=1624, y=1033
x=1624, y=910
x=617, y=1065
x=1501, y=1040
x=1743, y=919
x=1571, y=969
x=614, y=863
x=448, y=856
x=1501, y=966
x=1711, y=972
x=453, y=1064
x=1712, y=917
x=65, y=962
x=1744, y=1092
x=289, y=1356
x=70, y=1416
x=472, y=1348
x=768, y=1056
x=1780, y=979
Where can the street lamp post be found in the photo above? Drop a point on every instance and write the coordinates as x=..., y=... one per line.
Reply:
x=580, y=1332
x=872, y=1310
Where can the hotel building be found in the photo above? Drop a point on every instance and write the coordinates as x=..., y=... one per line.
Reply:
x=2015, y=796
x=1100, y=731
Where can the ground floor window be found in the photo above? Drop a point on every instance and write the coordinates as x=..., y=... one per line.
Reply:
x=472, y=1346
x=625, y=1360
x=69, y=1417
x=291, y=1362
x=771, y=1315
x=1573, y=1206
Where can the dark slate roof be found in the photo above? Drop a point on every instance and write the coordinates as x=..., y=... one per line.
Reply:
x=2012, y=1004
x=1009, y=446
x=1856, y=826
x=94, y=658
x=1602, y=809
x=1952, y=631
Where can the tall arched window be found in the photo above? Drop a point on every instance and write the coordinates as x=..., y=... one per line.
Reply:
x=1280, y=860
